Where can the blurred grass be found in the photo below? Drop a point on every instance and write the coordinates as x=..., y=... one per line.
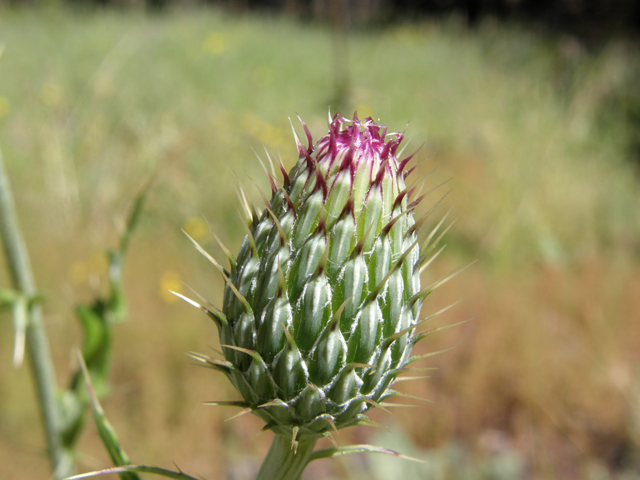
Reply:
x=92, y=104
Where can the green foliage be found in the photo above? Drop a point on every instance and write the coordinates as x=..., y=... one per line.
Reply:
x=105, y=430
x=98, y=321
x=64, y=420
x=132, y=469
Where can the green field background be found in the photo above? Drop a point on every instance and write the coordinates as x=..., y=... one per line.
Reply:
x=535, y=133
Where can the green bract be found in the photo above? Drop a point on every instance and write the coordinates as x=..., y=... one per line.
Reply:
x=322, y=301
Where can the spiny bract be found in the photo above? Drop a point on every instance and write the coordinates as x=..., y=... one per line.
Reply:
x=322, y=301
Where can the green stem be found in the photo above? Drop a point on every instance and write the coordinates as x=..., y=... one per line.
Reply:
x=36, y=337
x=282, y=462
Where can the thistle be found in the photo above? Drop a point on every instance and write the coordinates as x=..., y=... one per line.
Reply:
x=322, y=302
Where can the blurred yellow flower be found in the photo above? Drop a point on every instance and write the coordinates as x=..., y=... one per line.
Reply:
x=266, y=133
x=4, y=107
x=170, y=282
x=215, y=43
x=196, y=228
x=51, y=94
x=99, y=263
x=78, y=273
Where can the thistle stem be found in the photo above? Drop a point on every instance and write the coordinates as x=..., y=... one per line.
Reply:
x=36, y=337
x=282, y=462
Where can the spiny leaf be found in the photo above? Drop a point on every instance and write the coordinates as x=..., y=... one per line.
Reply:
x=453, y=274
x=283, y=236
x=212, y=311
x=133, y=469
x=301, y=150
x=223, y=366
x=421, y=295
x=243, y=412
x=367, y=422
x=401, y=333
x=409, y=379
x=222, y=272
x=435, y=229
x=443, y=233
x=105, y=430
x=394, y=393
x=247, y=206
x=272, y=180
x=233, y=288
x=188, y=300
x=335, y=452
x=429, y=261
x=397, y=405
x=252, y=353
x=412, y=169
x=329, y=437
x=294, y=443
x=428, y=192
x=375, y=404
x=415, y=358
x=252, y=241
x=425, y=334
x=271, y=163
x=227, y=252
x=228, y=403
x=397, y=373
x=206, y=254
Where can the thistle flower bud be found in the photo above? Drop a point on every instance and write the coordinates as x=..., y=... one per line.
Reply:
x=323, y=298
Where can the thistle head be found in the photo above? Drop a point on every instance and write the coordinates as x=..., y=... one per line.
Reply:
x=322, y=301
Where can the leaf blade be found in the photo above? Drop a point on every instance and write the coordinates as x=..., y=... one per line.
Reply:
x=350, y=449
x=133, y=469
